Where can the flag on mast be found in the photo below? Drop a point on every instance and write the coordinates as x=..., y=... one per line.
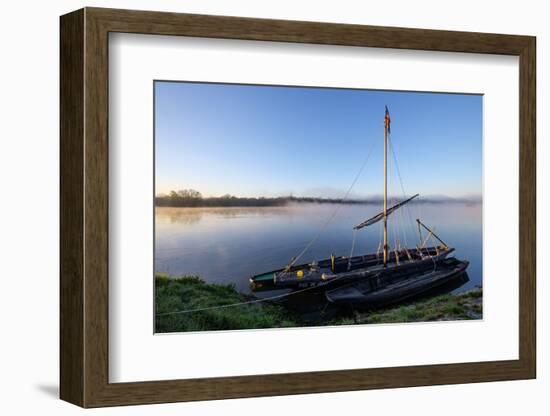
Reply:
x=387, y=120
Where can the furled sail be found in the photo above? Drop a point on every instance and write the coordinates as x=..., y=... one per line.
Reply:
x=380, y=216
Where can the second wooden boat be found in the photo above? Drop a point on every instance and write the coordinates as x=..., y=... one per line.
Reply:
x=388, y=288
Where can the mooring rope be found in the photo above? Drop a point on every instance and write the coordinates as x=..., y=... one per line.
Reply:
x=250, y=301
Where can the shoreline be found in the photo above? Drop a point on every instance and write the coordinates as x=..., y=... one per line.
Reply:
x=285, y=202
x=212, y=307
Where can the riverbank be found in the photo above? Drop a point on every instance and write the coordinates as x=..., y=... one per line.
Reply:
x=189, y=198
x=190, y=293
x=462, y=306
x=208, y=309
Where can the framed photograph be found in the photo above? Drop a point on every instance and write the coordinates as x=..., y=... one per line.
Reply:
x=255, y=207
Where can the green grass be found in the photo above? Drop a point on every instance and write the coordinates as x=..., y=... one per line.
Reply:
x=190, y=292
x=440, y=308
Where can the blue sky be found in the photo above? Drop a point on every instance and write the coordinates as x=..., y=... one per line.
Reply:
x=249, y=140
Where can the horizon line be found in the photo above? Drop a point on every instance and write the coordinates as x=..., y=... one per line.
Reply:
x=369, y=198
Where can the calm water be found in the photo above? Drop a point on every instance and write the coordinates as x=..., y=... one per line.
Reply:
x=228, y=245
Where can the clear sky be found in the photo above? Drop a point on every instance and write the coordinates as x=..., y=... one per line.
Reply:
x=249, y=140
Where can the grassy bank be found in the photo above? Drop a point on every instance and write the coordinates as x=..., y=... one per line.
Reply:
x=467, y=305
x=192, y=293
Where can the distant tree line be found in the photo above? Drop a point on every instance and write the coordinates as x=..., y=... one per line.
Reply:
x=193, y=198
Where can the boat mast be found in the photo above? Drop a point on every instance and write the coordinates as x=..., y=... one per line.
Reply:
x=386, y=129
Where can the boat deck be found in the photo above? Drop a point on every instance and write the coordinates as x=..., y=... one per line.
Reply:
x=345, y=269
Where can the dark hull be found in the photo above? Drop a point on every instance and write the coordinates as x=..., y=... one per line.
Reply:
x=391, y=288
x=327, y=274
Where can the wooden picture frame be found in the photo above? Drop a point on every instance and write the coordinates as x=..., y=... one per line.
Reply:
x=84, y=207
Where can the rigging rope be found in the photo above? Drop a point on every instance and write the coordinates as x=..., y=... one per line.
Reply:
x=352, y=247
x=393, y=224
x=327, y=222
x=392, y=151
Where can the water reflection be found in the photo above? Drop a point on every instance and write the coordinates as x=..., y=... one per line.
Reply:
x=193, y=215
x=229, y=244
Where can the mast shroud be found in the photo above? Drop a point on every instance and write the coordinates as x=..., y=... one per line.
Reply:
x=386, y=126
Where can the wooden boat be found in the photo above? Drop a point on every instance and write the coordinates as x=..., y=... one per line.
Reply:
x=387, y=288
x=399, y=271
x=342, y=270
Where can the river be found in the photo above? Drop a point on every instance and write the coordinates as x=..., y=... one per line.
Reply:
x=230, y=244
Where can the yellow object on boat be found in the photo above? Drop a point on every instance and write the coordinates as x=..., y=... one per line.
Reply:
x=300, y=274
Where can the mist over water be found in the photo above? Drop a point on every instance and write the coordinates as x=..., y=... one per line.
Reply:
x=230, y=244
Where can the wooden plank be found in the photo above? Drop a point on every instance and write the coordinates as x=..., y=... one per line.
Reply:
x=528, y=208
x=71, y=219
x=226, y=27
x=96, y=206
